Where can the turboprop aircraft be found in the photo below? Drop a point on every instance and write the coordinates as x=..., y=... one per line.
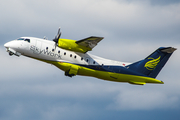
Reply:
x=72, y=57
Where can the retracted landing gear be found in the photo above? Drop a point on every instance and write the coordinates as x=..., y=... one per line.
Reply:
x=72, y=71
x=69, y=75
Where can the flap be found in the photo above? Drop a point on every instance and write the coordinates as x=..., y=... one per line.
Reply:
x=89, y=42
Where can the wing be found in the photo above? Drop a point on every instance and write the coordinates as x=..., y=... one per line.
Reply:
x=82, y=46
x=90, y=42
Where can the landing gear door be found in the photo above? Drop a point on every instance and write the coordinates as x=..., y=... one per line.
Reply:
x=72, y=71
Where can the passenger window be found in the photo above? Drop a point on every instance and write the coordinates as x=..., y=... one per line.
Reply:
x=59, y=51
x=81, y=58
x=94, y=62
x=53, y=50
x=64, y=53
x=46, y=48
x=87, y=60
x=75, y=56
x=70, y=55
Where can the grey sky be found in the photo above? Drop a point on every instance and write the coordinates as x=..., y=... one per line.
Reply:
x=133, y=29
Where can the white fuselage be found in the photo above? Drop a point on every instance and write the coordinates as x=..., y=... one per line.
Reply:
x=47, y=50
x=79, y=63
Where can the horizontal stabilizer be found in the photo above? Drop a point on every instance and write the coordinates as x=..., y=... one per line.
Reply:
x=169, y=50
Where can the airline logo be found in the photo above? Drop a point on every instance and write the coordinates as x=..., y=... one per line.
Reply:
x=36, y=50
x=151, y=65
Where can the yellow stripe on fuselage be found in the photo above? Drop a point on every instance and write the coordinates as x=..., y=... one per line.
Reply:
x=110, y=76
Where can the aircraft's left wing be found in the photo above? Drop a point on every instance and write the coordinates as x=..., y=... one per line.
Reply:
x=89, y=42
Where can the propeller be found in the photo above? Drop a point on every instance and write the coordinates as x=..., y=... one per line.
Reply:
x=57, y=36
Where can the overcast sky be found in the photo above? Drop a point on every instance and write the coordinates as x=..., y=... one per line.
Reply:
x=132, y=29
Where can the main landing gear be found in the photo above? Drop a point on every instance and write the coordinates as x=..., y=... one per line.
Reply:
x=67, y=74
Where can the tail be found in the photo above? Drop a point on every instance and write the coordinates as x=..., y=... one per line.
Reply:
x=152, y=65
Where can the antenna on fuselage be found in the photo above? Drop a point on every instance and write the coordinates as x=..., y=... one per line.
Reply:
x=45, y=38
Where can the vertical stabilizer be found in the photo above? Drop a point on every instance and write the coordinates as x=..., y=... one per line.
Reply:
x=152, y=65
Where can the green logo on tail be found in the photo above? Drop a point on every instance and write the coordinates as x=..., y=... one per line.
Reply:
x=151, y=65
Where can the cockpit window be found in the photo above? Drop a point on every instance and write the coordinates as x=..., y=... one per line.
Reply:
x=28, y=40
x=20, y=39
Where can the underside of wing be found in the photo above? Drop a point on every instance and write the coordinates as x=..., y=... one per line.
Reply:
x=89, y=42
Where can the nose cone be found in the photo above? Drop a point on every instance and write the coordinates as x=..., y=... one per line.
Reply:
x=12, y=44
x=8, y=44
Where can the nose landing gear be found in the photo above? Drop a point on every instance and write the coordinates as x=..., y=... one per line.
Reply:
x=11, y=53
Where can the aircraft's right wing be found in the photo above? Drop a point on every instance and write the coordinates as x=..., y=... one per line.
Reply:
x=82, y=46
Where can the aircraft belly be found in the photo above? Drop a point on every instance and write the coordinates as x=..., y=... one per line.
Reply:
x=117, y=77
x=110, y=76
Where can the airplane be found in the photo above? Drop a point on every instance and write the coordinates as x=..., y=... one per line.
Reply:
x=73, y=58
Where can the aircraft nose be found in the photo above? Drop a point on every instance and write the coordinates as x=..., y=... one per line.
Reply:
x=11, y=44
x=8, y=45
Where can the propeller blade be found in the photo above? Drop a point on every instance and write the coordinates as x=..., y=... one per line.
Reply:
x=57, y=36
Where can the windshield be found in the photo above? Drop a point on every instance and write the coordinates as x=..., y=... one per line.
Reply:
x=28, y=40
x=20, y=39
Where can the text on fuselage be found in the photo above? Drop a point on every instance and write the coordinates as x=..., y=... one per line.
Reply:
x=37, y=50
